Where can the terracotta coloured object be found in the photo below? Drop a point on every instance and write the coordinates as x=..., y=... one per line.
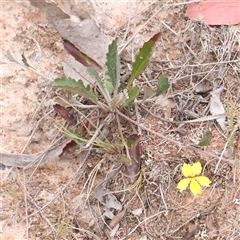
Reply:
x=215, y=12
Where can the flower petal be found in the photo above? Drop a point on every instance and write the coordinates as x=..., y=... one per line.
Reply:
x=195, y=187
x=183, y=184
x=187, y=170
x=196, y=168
x=204, y=181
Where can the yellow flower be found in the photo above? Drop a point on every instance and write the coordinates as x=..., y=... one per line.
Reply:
x=191, y=173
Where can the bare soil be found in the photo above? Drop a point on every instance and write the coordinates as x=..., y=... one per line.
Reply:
x=58, y=200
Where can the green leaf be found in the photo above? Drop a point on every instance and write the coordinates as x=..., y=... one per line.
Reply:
x=123, y=85
x=132, y=94
x=163, y=85
x=73, y=86
x=108, y=84
x=205, y=141
x=142, y=58
x=124, y=159
x=113, y=65
x=25, y=61
x=100, y=83
x=132, y=142
x=76, y=135
x=93, y=73
x=119, y=144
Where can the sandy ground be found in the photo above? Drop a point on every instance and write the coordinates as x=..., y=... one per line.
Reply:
x=37, y=204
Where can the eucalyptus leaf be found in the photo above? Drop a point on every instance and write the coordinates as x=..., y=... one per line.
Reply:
x=77, y=87
x=163, y=85
x=80, y=56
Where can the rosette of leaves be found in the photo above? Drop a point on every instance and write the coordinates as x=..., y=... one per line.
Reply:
x=114, y=94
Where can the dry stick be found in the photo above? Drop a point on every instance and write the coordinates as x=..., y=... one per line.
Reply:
x=13, y=168
x=121, y=134
x=173, y=141
x=84, y=231
x=139, y=224
x=152, y=17
x=150, y=130
x=14, y=61
x=200, y=213
x=134, y=29
x=201, y=64
x=162, y=196
x=154, y=215
x=28, y=196
x=133, y=36
x=130, y=19
x=169, y=28
x=26, y=202
x=224, y=149
x=145, y=8
x=201, y=119
x=203, y=212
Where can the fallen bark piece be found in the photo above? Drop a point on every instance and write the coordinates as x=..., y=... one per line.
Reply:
x=215, y=12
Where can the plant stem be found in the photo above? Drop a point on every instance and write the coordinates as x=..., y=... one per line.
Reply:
x=150, y=130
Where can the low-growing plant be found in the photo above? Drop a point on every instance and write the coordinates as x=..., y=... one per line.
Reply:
x=115, y=94
x=111, y=95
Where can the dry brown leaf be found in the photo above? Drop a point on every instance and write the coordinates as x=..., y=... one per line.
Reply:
x=31, y=160
x=216, y=107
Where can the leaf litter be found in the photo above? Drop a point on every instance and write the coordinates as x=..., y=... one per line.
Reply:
x=216, y=107
x=166, y=164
